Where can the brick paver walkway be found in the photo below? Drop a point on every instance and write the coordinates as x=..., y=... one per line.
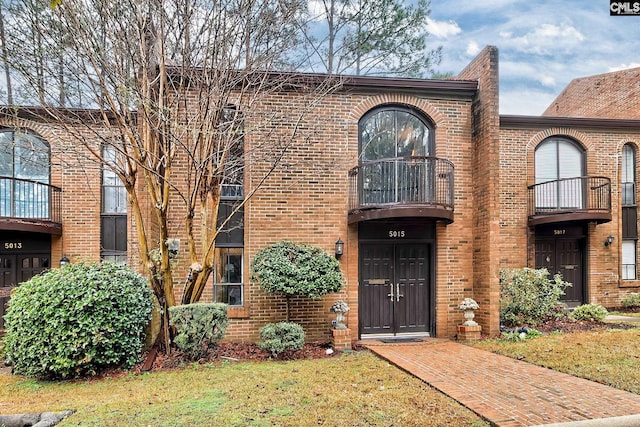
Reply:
x=506, y=391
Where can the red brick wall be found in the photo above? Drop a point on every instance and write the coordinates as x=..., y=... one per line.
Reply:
x=612, y=95
x=603, y=153
x=485, y=229
x=304, y=199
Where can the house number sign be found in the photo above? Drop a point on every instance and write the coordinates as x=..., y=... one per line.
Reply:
x=559, y=232
x=397, y=233
x=12, y=245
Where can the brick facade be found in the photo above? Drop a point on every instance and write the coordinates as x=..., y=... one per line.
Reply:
x=613, y=95
x=306, y=199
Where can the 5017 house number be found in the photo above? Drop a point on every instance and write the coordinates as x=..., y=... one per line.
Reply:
x=396, y=233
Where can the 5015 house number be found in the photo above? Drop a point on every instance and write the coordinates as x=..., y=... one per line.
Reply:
x=13, y=245
x=396, y=233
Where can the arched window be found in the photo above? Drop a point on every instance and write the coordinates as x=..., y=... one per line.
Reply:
x=24, y=167
x=391, y=132
x=629, y=213
x=559, y=164
x=396, y=163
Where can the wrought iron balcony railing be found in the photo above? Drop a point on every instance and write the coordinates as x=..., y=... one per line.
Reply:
x=589, y=197
x=406, y=181
x=29, y=200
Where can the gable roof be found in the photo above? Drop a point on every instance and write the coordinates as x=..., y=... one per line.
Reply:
x=614, y=95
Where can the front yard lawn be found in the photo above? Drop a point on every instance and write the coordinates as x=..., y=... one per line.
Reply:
x=608, y=356
x=356, y=389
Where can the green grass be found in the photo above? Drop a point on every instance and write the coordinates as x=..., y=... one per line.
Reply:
x=355, y=389
x=608, y=356
x=624, y=313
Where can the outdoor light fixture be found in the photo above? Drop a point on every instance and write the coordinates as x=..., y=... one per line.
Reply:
x=64, y=261
x=609, y=240
x=173, y=245
x=339, y=248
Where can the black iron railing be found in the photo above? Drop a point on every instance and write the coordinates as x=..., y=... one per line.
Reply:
x=27, y=199
x=401, y=181
x=568, y=195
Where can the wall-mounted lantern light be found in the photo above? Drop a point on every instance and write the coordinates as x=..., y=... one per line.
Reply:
x=173, y=245
x=64, y=261
x=609, y=240
x=339, y=248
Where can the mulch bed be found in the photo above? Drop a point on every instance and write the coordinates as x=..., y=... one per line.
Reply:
x=567, y=324
x=240, y=352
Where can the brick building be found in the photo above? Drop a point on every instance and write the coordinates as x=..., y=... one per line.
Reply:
x=430, y=189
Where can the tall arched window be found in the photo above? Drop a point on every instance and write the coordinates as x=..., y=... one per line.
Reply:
x=629, y=213
x=391, y=132
x=557, y=161
x=396, y=145
x=24, y=167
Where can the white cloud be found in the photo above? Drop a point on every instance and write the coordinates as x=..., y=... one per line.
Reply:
x=548, y=81
x=624, y=66
x=442, y=29
x=546, y=38
x=473, y=48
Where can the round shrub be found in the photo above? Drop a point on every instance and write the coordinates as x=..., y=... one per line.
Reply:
x=589, y=312
x=77, y=320
x=632, y=300
x=296, y=269
x=199, y=327
x=529, y=296
x=278, y=337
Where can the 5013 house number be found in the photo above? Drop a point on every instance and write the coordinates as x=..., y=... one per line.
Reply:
x=396, y=233
x=13, y=245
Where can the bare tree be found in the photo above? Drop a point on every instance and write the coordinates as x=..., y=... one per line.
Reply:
x=180, y=87
x=371, y=37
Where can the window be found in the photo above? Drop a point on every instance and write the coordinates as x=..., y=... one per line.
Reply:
x=396, y=163
x=629, y=213
x=113, y=231
x=557, y=160
x=24, y=168
x=628, y=176
x=628, y=259
x=393, y=132
x=228, y=280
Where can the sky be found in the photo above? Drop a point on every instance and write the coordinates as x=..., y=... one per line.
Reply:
x=542, y=44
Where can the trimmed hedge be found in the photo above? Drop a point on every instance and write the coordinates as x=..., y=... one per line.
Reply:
x=278, y=337
x=589, y=312
x=77, y=320
x=632, y=300
x=199, y=327
x=290, y=268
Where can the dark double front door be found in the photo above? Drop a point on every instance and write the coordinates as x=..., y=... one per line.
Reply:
x=394, y=288
x=22, y=256
x=561, y=250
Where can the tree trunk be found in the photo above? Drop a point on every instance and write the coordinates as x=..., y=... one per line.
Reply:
x=7, y=73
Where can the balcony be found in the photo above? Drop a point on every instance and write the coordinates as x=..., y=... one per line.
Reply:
x=586, y=199
x=400, y=188
x=27, y=205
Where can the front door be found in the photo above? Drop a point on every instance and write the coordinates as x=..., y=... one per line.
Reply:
x=563, y=253
x=394, y=288
x=22, y=256
x=7, y=282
